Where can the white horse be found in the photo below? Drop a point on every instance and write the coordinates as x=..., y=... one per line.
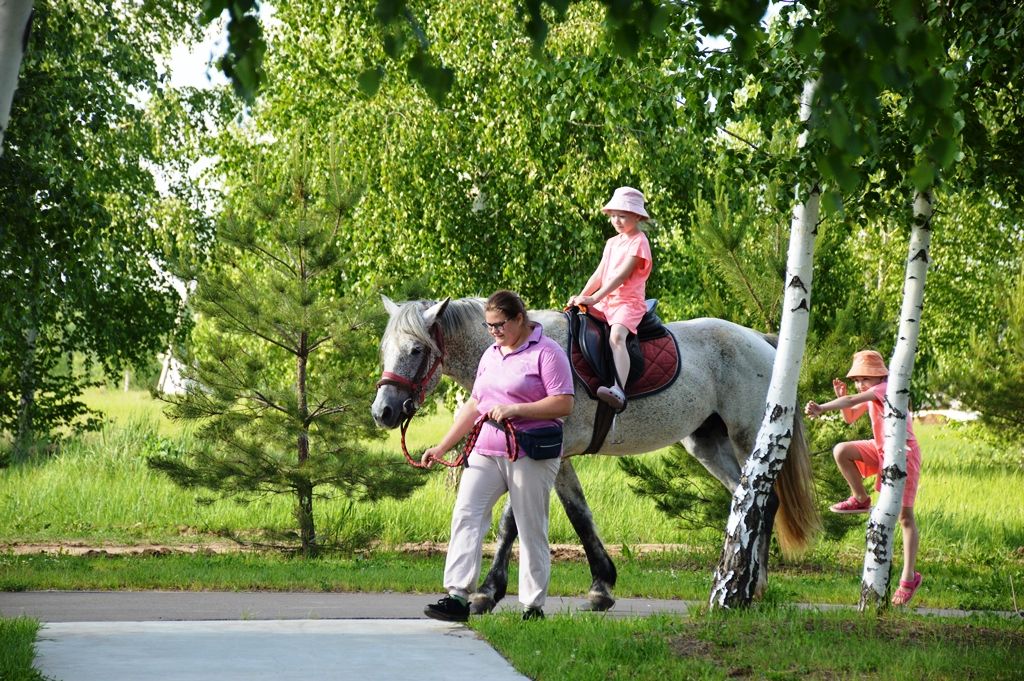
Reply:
x=713, y=408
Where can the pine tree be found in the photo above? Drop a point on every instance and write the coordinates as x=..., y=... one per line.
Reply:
x=993, y=383
x=282, y=360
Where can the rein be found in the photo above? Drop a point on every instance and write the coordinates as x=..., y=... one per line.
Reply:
x=511, y=444
x=418, y=389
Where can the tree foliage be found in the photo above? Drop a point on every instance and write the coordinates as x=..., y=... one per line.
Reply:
x=278, y=373
x=521, y=156
x=79, y=202
x=499, y=181
x=992, y=382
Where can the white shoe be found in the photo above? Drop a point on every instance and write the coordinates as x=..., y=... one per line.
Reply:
x=613, y=397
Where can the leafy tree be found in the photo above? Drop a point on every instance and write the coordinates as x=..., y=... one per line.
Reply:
x=882, y=121
x=994, y=381
x=280, y=375
x=78, y=206
x=520, y=156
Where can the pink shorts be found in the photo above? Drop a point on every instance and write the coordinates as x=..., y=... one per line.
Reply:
x=870, y=464
x=628, y=313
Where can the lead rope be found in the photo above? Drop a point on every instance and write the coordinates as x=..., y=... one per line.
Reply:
x=511, y=444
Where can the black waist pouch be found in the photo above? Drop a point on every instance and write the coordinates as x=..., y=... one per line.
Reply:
x=542, y=443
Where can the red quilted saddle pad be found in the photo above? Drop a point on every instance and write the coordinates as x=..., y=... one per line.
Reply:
x=661, y=367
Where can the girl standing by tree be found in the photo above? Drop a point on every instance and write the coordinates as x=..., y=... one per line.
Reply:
x=859, y=459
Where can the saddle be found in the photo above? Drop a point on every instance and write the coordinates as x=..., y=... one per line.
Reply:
x=653, y=356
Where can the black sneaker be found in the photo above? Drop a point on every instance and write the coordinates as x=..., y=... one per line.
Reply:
x=448, y=609
x=533, y=614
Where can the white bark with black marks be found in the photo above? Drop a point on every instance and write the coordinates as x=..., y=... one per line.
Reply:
x=739, y=567
x=15, y=18
x=881, y=528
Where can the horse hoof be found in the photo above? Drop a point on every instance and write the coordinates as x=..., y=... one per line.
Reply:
x=598, y=602
x=480, y=604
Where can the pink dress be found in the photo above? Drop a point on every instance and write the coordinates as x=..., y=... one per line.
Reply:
x=872, y=451
x=626, y=305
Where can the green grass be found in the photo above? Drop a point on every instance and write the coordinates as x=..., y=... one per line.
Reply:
x=98, y=489
x=121, y=406
x=17, y=649
x=969, y=496
x=762, y=643
x=678, y=574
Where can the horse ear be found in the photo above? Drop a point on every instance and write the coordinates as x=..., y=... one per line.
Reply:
x=389, y=305
x=434, y=312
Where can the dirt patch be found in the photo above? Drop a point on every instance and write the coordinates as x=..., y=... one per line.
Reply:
x=689, y=646
x=693, y=648
x=904, y=633
x=562, y=552
x=72, y=548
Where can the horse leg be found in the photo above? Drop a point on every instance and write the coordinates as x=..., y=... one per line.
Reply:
x=718, y=451
x=602, y=570
x=495, y=583
x=710, y=445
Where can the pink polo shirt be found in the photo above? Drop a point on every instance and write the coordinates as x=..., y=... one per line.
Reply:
x=625, y=305
x=537, y=369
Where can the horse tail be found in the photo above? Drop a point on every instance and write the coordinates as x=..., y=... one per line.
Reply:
x=797, y=520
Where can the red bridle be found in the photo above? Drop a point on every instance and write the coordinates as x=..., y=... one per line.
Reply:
x=417, y=388
x=511, y=444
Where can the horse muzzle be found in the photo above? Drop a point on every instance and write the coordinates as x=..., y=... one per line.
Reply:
x=390, y=410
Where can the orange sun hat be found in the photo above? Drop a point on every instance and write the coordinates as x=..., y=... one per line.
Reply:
x=867, y=363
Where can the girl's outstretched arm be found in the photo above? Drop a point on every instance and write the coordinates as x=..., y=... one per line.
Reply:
x=849, y=414
x=813, y=409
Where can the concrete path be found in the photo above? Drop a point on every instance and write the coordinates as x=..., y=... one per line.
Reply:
x=135, y=606
x=252, y=636
x=281, y=650
x=256, y=636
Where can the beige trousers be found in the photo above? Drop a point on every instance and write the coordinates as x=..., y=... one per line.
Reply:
x=484, y=481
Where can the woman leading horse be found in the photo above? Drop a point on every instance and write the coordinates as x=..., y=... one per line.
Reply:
x=714, y=408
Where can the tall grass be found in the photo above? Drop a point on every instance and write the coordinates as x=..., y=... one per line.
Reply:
x=971, y=492
x=98, y=488
x=17, y=649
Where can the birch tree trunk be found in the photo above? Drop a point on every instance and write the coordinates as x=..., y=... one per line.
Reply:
x=739, y=568
x=15, y=19
x=874, y=587
x=25, y=436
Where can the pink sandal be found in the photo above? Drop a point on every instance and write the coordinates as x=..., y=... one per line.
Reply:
x=907, y=590
x=852, y=505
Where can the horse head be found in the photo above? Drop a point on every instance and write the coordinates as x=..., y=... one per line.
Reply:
x=411, y=352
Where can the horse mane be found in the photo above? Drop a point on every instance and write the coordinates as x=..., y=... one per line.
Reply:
x=409, y=320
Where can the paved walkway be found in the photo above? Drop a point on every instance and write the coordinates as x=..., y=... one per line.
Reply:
x=251, y=636
x=273, y=636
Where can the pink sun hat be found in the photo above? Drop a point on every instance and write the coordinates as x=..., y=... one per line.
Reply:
x=868, y=363
x=629, y=200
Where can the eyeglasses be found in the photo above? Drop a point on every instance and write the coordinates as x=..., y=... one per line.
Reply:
x=495, y=326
